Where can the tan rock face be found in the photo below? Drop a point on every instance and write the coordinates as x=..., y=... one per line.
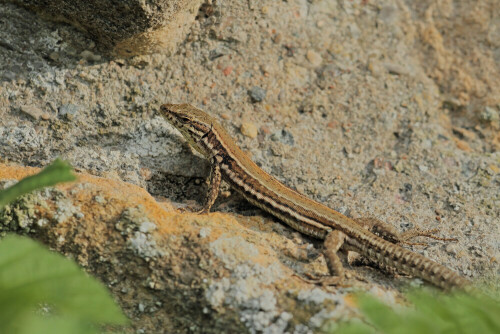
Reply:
x=176, y=272
x=125, y=28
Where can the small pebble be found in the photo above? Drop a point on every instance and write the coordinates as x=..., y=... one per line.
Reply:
x=90, y=56
x=388, y=14
x=265, y=130
x=284, y=137
x=99, y=199
x=257, y=94
x=464, y=132
x=423, y=168
x=249, y=129
x=354, y=30
x=54, y=56
x=241, y=36
x=141, y=307
x=266, y=68
x=8, y=75
x=277, y=38
x=32, y=111
x=68, y=109
x=204, y=232
x=494, y=168
x=227, y=70
x=314, y=58
x=462, y=145
x=396, y=69
x=489, y=114
x=452, y=249
x=216, y=53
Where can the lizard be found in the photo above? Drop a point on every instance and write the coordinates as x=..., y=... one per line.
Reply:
x=374, y=240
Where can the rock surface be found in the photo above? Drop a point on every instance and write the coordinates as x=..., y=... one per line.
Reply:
x=127, y=27
x=385, y=109
x=173, y=272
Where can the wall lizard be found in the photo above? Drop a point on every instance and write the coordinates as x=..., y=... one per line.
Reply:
x=373, y=239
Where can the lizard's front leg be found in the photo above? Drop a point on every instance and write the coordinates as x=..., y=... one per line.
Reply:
x=213, y=184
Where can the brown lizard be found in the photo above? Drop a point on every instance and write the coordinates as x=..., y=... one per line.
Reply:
x=374, y=240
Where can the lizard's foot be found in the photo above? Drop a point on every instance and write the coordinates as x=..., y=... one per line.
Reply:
x=416, y=232
x=326, y=280
x=202, y=211
x=193, y=209
x=356, y=259
x=184, y=210
x=389, y=233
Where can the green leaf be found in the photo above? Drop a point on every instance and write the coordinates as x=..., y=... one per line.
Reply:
x=354, y=327
x=43, y=325
x=430, y=312
x=31, y=276
x=378, y=313
x=58, y=171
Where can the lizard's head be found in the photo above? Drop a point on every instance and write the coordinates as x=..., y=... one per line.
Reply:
x=190, y=121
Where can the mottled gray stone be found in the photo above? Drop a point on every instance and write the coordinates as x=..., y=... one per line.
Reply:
x=257, y=94
x=126, y=27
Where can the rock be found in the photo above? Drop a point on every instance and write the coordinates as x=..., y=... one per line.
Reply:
x=257, y=94
x=388, y=14
x=227, y=70
x=222, y=273
x=32, y=111
x=68, y=109
x=90, y=56
x=396, y=69
x=218, y=52
x=284, y=137
x=314, y=58
x=489, y=114
x=54, y=56
x=452, y=248
x=127, y=27
x=249, y=129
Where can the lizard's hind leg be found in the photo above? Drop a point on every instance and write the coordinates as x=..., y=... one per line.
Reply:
x=389, y=233
x=333, y=241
